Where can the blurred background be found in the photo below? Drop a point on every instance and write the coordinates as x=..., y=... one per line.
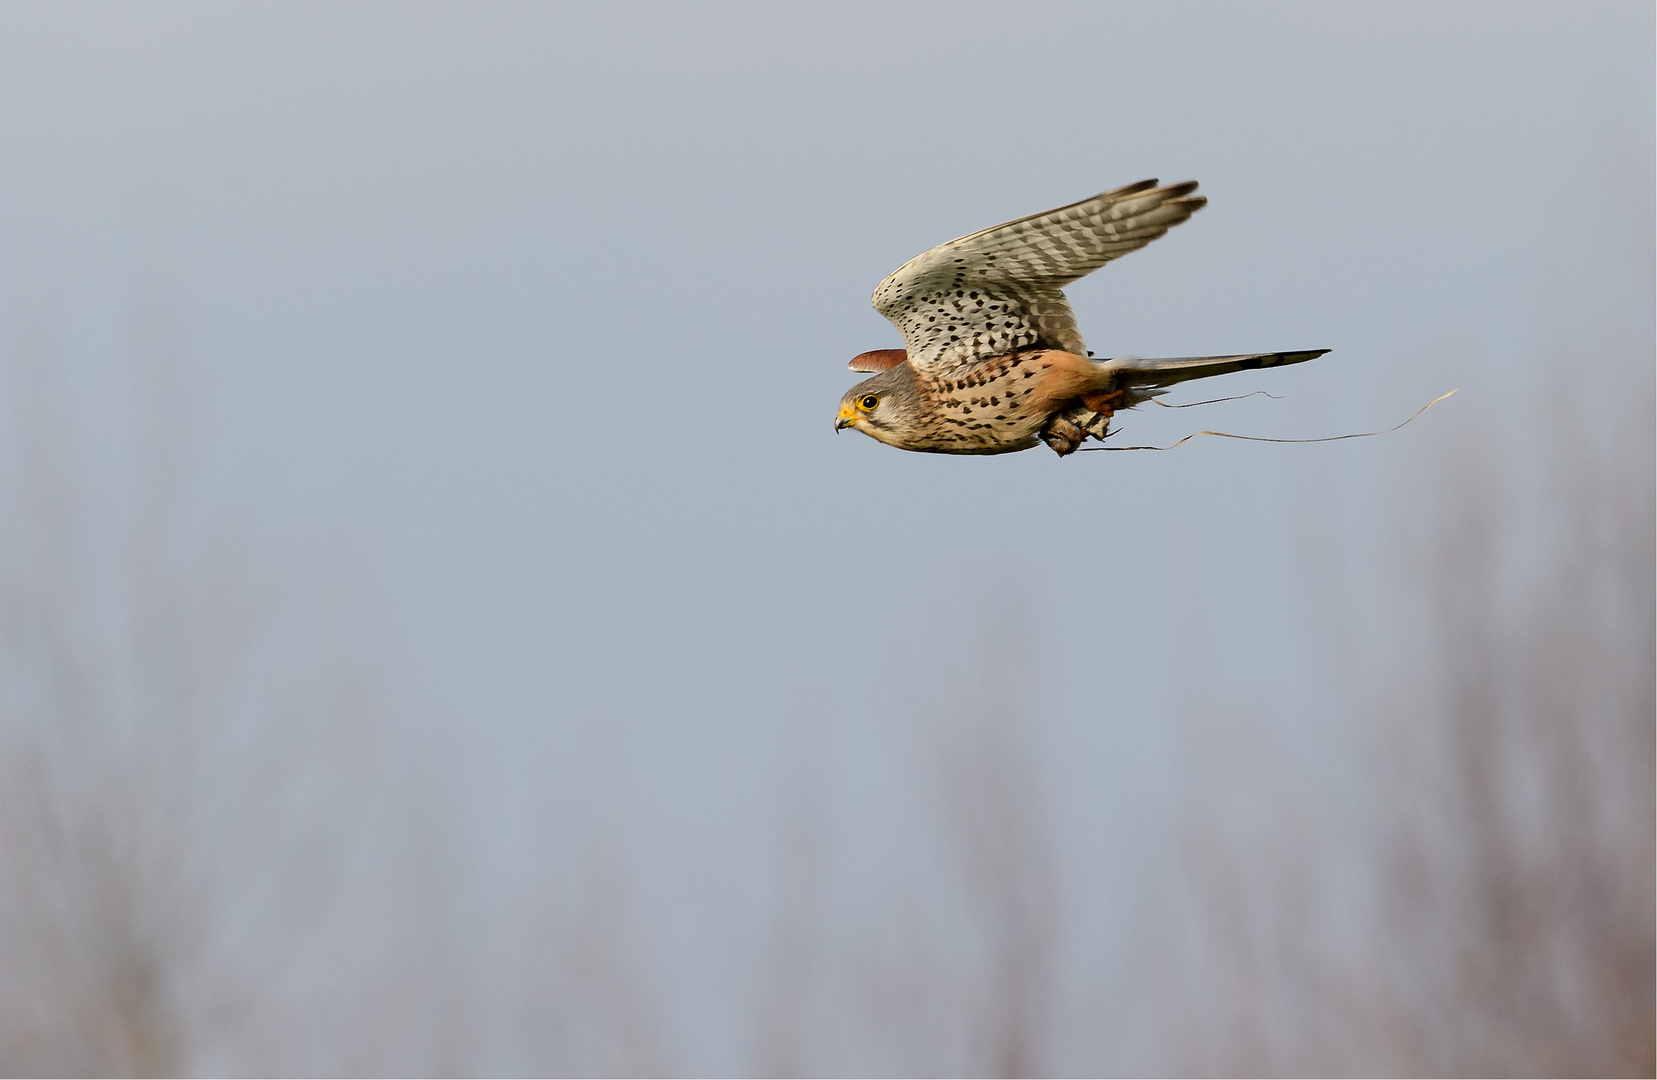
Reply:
x=440, y=632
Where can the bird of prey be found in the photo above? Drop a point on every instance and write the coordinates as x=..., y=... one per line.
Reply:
x=992, y=361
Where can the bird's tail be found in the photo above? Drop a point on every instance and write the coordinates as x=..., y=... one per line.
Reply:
x=1149, y=376
x=1126, y=381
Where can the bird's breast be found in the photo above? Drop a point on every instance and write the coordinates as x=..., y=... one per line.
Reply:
x=999, y=405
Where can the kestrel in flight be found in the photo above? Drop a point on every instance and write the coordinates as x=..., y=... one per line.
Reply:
x=992, y=360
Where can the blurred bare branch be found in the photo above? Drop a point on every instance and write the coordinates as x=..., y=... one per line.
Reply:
x=589, y=1006
x=1009, y=868
x=795, y=966
x=161, y=808
x=1503, y=826
x=1519, y=833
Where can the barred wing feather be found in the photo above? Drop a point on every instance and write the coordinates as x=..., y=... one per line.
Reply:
x=1000, y=289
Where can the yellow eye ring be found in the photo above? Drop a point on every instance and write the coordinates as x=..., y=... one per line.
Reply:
x=867, y=402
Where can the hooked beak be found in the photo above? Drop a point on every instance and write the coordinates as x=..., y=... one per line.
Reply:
x=847, y=417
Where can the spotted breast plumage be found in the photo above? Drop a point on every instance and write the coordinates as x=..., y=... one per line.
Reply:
x=992, y=359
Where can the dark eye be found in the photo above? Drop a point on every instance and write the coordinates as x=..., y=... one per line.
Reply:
x=869, y=401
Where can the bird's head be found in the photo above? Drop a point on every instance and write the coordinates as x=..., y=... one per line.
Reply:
x=883, y=407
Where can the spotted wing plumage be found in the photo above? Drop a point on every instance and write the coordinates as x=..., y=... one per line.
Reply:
x=1000, y=289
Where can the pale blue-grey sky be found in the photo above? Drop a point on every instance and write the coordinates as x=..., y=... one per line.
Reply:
x=531, y=321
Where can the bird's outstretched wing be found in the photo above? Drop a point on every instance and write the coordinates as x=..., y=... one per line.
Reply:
x=1000, y=289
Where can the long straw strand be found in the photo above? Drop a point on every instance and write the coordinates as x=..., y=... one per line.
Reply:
x=1258, y=438
x=1214, y=401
